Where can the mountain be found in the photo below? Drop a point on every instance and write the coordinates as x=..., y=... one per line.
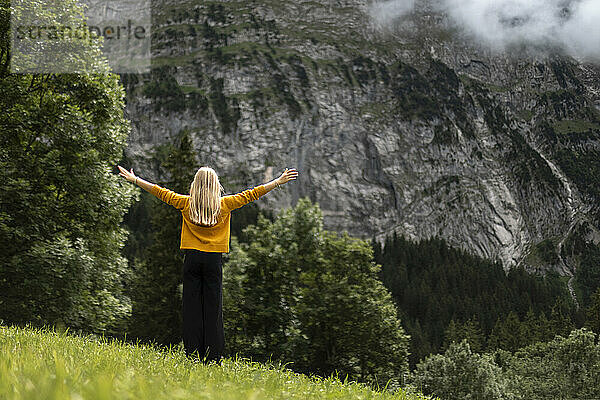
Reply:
x=407, y=127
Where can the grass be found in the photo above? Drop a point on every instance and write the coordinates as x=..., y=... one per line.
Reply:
x=525, y=114
x=574, y=126
x=43, y=363
x=379, y=110
x=192, y=89
x=496, y=88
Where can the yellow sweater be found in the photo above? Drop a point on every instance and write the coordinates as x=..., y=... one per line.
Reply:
x=211, y=239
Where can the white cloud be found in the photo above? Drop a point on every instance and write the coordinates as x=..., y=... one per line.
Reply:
x=384, y=12
x=573, y=25
x=581, y=34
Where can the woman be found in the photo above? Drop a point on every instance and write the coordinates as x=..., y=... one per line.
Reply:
x=204, y=238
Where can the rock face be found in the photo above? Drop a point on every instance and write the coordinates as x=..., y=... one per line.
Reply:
x=411, y=129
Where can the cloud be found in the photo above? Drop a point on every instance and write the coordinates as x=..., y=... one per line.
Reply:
x=581, y=34
x=384, y=12
x=573, y=25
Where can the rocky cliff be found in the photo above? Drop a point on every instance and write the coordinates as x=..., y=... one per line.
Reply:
x=409, y=128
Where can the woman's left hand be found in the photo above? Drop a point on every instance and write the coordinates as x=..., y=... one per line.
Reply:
x=130, y=176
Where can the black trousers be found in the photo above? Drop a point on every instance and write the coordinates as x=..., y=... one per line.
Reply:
x=203, y=304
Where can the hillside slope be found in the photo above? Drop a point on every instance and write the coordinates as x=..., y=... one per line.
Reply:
x=44, y=364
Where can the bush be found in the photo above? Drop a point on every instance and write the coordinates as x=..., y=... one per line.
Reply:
x=460, y=374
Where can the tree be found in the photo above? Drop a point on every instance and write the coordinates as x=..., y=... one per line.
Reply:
x=565, y=367
x=432, y=283
x=530, y=328
x=506, y=333
x=60, y=138
x=544, y=327
x=235, y=318
x=312, y=298
x=347, y=318
x=452, y=334
x=593, y=312
x=469, y=330
x=587, y=275
x=560, y=322
x=460, y=374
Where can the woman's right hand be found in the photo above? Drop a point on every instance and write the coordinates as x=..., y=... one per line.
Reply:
x=128, y=175
x=287, y=176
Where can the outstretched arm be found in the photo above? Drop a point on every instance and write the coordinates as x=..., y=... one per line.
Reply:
x=130, y=176
x=238, y=200
x=286, y=176
x=168, y=196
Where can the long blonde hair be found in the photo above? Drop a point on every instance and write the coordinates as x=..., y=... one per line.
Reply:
x=205, y=197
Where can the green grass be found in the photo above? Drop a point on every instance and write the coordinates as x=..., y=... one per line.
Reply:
x=496, y=88
x=379, y=110
x=574, y=126
x=192, y=89
x=525, y=114
x=43, y=363
x=175, y=60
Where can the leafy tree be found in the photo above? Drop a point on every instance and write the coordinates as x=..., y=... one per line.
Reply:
x=564, y=368
x=312, y=298
x=460, y=374
x=347, y=318
x=60, y=137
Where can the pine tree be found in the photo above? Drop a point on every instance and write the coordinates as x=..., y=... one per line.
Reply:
x=530, y=329
x=376, y=250
x=544, y=328
x=593, y=312
x=420, y=343
x=506, y=334
x=451, y=334
x=560, y=322
x=469, y=330
x=472, y=332
x=433, y=283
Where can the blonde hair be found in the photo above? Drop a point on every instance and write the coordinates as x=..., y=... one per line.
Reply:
x=205, y=197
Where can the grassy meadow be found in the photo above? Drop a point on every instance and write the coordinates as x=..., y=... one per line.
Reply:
x=46, y=364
